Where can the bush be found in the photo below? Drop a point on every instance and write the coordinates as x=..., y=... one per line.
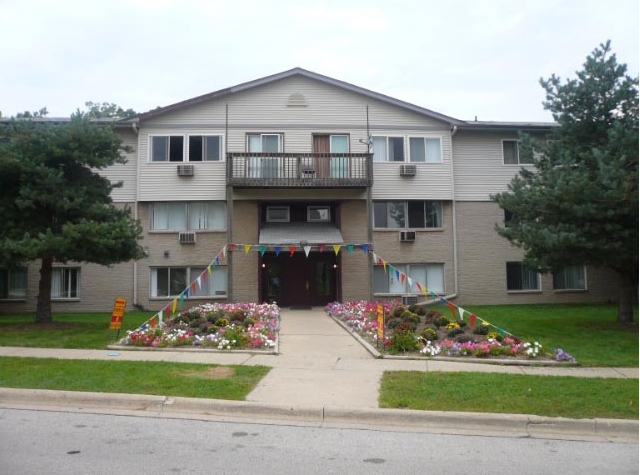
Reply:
x=393, y=322
x=411, y=317
x=464, y=338
x=397, y=311
x=454, y=332
x=419, y=310
x=494, y=336
x=430, y=333
x=404, y=341
x=441, y=321
x=481, y=330
x=406, y=327
x=215, y=315
x=222, y=322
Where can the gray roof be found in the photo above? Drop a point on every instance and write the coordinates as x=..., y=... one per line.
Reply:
x=295, y=233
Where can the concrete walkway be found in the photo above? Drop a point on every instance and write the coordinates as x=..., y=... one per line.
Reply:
x=319, y=365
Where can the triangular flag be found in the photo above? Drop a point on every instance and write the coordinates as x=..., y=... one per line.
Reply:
x=336, y=248
x=168, y=310
x=277, y=249
x=306, y=250
x=397, y=273
x=410, y=280
x=384, y=265
x=419, y=286
x=453, y=309
x=349, y=247
x=425, y=291
x=365, y=248
x=193, y=286
x=174, y=305
x=231, y=247
x=292, y=250
x=442, y=301
x=461, y=312
x=153, y=322
x=209, y=269
x=247, y=248
x=321, y=247
x=222, y=254
x=217, y=261
x=402, y=277
x=263, y=249
x=160, y=316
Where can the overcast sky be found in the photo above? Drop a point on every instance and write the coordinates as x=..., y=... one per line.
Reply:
x=461, y=58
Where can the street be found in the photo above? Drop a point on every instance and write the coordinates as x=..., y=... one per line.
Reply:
x=39, y=442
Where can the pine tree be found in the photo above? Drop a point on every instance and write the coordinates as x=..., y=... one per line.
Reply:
x=54, y=205
x=580, y=205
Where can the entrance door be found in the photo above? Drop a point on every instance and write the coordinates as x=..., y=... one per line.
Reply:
x=298, y=280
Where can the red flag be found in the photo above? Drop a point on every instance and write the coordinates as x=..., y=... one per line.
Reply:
x=292, y=250
x=231, y=247
x=321, y=247
x=472, y=320
x=153, y=322
x=453, y=310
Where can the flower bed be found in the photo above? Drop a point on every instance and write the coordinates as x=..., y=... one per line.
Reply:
x=217, y=326
x=419, y=330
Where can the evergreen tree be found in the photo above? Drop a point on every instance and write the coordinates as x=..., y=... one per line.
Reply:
x=580, y=205
x=54, y=205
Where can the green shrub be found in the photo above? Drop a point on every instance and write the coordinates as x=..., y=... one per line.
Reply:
x=481, y=330
x=494, y=336
x=454, y=332
x=406, y=326
x=419, y=310
x=214, y=315
x=441, y=321
x=404, y=341
x=411, y=317
x=397, y=311
x=429, y=333
x=222, y=322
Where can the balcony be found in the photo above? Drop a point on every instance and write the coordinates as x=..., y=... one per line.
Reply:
x=296, y=170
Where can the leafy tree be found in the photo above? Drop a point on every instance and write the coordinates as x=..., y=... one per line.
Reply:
x=96, y=110
x=54, y=205
x=580, y=205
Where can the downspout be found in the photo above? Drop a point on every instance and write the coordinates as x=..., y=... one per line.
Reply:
x=454, y=224
x=229, y=197
x=134, y=126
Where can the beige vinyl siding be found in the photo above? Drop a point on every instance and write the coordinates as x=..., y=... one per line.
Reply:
x=478, y=166
x=125, y=173
x=159, y=181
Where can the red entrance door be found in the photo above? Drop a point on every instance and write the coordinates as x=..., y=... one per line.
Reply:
x=298, y=280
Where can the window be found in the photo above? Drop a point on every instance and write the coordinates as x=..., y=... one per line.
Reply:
x=388, y=149
x=204, y=148
x=521, y=277
x=508, y=218
x=425, y=149
x=511, y=153
x=391, y=282
x=277, y=214
x=318, y=214
x=65, y=283
x=570, y=278
x=414, y=214
x=167, y=148
x=172, y=281
x=181, y=216
x=13, y=283
x=264, y=167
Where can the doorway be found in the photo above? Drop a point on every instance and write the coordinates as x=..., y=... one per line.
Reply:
x=300, y=280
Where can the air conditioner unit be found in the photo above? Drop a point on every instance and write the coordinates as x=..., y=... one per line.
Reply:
x=185, y=170
x=187, y=237
x=409, y=299
x=407, y=236
x=407, y=170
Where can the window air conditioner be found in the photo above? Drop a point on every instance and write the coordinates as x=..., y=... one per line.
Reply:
x=185, y=170
x=409, y=299
x=407, y=170
x=187, y=237
x=407, y=236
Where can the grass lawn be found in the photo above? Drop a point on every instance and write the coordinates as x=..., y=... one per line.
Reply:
x=132, y=377
x=588, y=332
x=69, y=330
x=552, y=396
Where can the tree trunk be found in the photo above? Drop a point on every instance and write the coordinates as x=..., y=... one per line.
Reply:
x=43, y=307
x=627, y=298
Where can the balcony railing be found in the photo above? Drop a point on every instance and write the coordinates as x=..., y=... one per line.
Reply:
x=299, y=170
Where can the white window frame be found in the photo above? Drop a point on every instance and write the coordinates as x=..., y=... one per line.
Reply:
x=217, y=282
x=318, y=214
x=387, y=148
x=523, y=267
x=205, y=148
x=397, y=287
x=405, y=217
x=272, y=219
x=14, y=283
x=519, y=161
x=66, y=281
x=425, y=140
x=188, y=218
x=169, y=137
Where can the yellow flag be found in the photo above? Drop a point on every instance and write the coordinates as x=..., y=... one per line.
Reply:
x=174, y=305
x=247, y=248
x=336, y=248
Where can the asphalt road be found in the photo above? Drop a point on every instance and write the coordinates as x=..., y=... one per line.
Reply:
x=38, y=442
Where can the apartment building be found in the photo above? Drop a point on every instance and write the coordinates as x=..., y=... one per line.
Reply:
x=303, y=189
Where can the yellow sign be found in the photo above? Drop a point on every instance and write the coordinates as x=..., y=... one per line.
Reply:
x=380, y=314
x=118, y=314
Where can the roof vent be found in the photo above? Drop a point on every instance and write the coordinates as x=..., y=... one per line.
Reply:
x=296, y=100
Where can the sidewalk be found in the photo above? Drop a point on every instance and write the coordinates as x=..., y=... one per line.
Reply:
x=320, y=366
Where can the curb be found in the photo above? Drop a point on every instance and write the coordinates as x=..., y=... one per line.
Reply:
x=462, y=423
